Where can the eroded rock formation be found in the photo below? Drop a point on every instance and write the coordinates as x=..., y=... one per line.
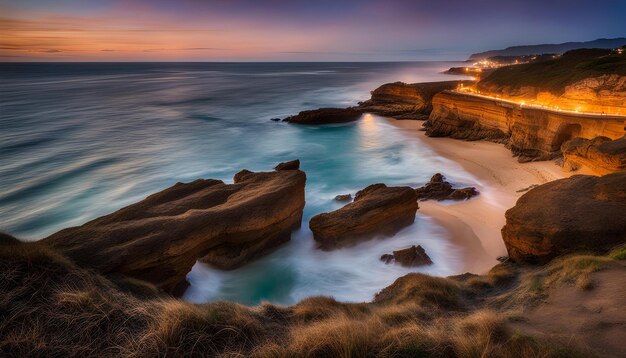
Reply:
x=325, y=116
x=530, y=133
x=410, y=257
x=577, y=214
x=406, y=101
x=377, y=209
x=439, y=189
x=160, y=238
x=601, y=154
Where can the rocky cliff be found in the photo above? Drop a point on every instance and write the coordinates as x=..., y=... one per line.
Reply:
x=601, y=94
x=160, y=238
x=531, y=133
x=406, y=101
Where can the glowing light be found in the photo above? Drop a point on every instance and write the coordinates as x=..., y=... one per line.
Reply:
x=534, y=104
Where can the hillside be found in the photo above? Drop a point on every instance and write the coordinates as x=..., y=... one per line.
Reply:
x=52, y=307
x=549, y=48
x=557, y=73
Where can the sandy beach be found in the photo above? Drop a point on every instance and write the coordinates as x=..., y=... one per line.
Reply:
x=500, y=179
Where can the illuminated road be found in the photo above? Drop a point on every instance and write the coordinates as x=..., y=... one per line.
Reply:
x=544, y=108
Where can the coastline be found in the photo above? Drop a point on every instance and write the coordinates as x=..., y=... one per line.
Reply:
x=500, y=179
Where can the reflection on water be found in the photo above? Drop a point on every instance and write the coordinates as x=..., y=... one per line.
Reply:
x=82, y=140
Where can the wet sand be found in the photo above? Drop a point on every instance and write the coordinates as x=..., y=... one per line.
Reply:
x=500, y=179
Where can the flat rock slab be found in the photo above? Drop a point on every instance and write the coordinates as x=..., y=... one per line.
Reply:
x=577, y=214
x=377, y=209
x=325, y=116
x=161, y=237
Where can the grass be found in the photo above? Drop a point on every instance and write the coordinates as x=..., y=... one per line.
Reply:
x=555, y=74
x=618, y=253
x=51, y=307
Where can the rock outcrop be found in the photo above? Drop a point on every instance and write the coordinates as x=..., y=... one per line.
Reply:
x=439, y=189
x=410, y=257
x=601, y=154
x=161, y=237
x=343, y=197
x=406, y=101
x=577, y=214
x=290, y=165
x=476, y=72
x=531, y=133
x=377, y=209
x=325, y=116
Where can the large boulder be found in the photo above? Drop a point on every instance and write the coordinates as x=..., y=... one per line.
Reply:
x=579, y=214
x=439, y=189
x=161, y=237
x=377, y=209
x=601, y=154
x=325, y=116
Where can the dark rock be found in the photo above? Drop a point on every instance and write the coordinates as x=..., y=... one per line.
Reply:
x=161, y=237
x=325, y=116
x=275, y=119
x=439, y=189
x=344, y=197
x=579, y=214
x=290, y=165
x=377, y=209
x=410, y=257
x=463, y=277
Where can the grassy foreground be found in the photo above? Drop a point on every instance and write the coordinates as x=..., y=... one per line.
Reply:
x=51, y=307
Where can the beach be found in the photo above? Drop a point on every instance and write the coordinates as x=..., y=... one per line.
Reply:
x=475, y=224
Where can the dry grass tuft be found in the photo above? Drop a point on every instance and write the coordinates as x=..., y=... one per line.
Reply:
x=427, y=291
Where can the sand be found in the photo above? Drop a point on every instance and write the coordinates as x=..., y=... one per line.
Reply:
x=500, y=179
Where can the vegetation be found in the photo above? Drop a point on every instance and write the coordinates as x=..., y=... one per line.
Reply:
x=51, y=307
x=554, y=74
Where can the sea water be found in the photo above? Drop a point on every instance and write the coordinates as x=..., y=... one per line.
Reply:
x=80, y=140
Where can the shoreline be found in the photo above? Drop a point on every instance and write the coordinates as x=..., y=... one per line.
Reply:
x=500, y=179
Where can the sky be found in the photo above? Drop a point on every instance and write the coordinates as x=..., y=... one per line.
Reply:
x=297, y=30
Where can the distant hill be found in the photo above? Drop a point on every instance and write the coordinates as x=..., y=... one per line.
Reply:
x=549, y=48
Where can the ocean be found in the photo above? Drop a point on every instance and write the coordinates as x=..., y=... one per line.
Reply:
x=80, y=140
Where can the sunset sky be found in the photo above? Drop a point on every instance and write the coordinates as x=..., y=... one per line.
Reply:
x=279, y=30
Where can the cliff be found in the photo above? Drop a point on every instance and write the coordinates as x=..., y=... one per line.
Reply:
x=406, y=101
x=161, y=237
x=531, y=133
